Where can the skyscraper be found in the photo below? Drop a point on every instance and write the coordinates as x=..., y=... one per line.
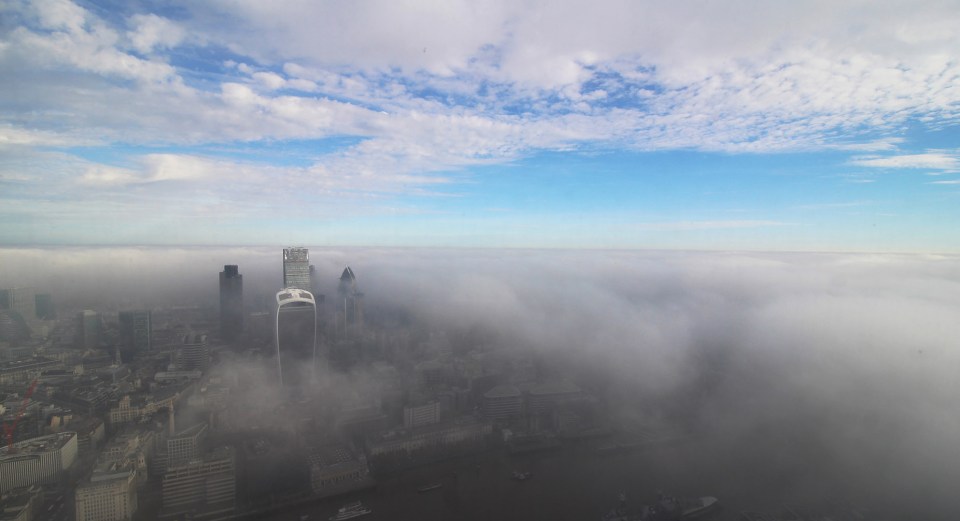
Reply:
x=296, y=268
x=193, y=354
x=231, y=302
x=136, y=333
x=350, y=305
x=45, y=308
x=296, y=335
x=90, y=330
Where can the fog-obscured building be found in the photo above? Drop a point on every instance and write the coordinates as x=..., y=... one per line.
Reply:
x=202, y=488
x=26, y=370
x=546, y=397
x=13, y=328
x=90, y=329
x=20, y=300
x=231, y=302
x=420, y=415
x=335, y=469
x=45, y=307
x=464, y=434
x=503, y=403
x=193, y=354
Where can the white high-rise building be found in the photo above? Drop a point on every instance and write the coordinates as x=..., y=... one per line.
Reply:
x=296, y=268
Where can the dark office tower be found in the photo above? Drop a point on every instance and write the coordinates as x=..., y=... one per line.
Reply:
x=136, y=333
x=296, y=336
x=350, y=304
x=296, y=268
x=45, y=309
x=231, y=303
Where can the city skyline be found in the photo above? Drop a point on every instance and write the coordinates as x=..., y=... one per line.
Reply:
x=808, y=126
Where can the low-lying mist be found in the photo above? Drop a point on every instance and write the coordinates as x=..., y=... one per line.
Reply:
x=826, y=371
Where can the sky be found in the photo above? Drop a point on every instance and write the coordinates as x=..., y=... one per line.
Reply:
x=804, y=125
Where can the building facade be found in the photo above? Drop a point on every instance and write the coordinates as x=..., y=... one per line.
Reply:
x=186, y=445
x=420, y=415
x=503, y=403
x=296, y=268
x=110, y=495
x=90, y=329
x=193, y=354
x=136, y=333
x=201, y=488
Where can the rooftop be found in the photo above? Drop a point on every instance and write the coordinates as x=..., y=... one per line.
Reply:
x=502, y=391
x=38, y=445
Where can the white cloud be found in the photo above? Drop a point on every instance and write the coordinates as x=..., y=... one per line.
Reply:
x=154, y=32
x=153, y=168
x=929, y=160
x=269, y=80
x=432, y=87
x=708, y=225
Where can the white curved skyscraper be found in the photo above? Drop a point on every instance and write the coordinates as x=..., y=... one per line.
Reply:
x=296, y=335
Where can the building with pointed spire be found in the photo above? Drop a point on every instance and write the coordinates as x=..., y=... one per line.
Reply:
x=350, y=306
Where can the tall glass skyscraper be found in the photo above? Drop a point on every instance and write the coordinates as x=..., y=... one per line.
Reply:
x=296, y=268
x=231, y=302
x=296, y=336
x=136, y=333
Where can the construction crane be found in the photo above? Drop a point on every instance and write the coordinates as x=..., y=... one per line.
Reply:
x=9, y=429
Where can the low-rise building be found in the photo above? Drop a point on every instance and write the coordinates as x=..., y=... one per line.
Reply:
x=110, y=495
x=420, y=415
x=41, y=460
x=503, y=403
x=335, y=469
x=464, y=432
x=204, y=488
x=22, y=504
x=130, y=409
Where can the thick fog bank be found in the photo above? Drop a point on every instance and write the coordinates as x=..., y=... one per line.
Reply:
x=829, y=373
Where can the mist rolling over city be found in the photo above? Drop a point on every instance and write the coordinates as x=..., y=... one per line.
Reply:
x=619, y=261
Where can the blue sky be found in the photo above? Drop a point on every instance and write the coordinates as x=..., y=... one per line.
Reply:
x=614, y=124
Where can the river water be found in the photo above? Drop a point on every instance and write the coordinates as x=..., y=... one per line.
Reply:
x=577, y=484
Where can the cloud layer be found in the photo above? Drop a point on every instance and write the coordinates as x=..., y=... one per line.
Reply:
x=416, y=92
